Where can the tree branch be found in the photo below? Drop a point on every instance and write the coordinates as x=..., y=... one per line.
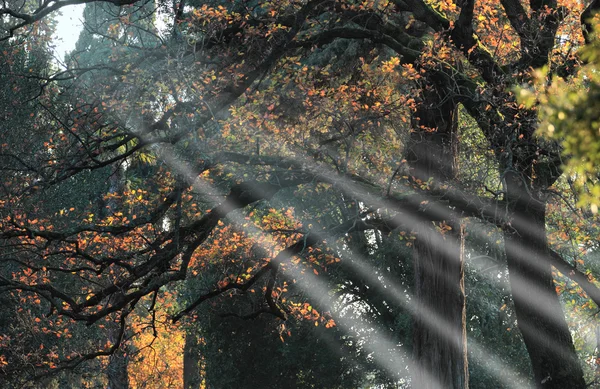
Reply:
x=573, y=273
x=45, y=9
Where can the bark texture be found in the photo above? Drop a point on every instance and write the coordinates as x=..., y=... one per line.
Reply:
x=539, y=314
x=439, y=337
x=117, y=374
x=191, y=362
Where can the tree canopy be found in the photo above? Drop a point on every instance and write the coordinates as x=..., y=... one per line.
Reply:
x=302, y=193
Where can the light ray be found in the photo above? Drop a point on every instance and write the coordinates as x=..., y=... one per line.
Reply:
x=431, y=319
x=409, y=220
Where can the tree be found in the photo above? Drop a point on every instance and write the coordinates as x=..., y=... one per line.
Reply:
x=439, y=269
x=247, y=103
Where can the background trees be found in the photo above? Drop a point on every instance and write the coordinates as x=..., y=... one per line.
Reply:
x=279, y=177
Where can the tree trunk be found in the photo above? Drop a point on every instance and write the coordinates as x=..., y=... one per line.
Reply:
x=539, y=314
x=191, y=362
x=118, y=377
x=439, y=343
x=117, y=372
x=439, y=335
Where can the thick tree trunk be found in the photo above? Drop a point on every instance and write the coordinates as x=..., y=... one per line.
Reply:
x=439, y=336
x=439, y=342
x=539, y=314
x=191, y=362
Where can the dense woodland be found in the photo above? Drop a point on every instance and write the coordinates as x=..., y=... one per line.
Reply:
x=300, y=194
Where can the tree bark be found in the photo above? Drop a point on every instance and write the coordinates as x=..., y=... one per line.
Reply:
x=439, y=343
x=191, y=362
x=539, y=314
x=439, y=336
x=117, y=373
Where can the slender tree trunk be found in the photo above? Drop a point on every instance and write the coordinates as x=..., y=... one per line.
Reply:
x=439, y=336
x=539, y=314
x=191, y=362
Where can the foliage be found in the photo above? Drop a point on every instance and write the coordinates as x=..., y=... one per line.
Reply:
x=258, y=186
x=568, y=112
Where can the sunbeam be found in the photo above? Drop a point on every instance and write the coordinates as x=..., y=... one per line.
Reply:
x=504, y=373
x=315, y=172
